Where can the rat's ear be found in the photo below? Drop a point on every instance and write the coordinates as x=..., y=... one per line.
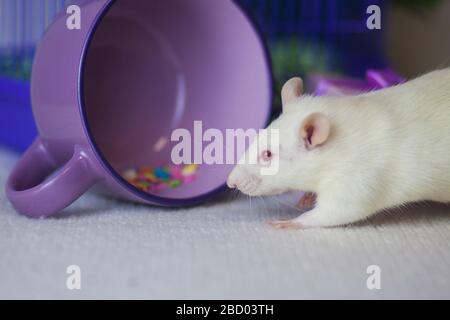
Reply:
x=315, y=130
x=292, y=90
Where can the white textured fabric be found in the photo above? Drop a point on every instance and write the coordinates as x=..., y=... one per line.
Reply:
x=222, y=249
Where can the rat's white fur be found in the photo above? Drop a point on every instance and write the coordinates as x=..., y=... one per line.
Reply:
x=385, y=149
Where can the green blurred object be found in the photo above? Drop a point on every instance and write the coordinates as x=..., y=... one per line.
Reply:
x=294, y=56
x=14, y=67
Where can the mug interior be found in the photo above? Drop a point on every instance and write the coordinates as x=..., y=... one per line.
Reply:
x=155, y=66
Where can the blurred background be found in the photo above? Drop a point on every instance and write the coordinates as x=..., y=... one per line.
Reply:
x=304, y=37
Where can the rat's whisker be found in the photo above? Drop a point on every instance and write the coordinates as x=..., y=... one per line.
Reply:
x=266, y=205
x=230, y=194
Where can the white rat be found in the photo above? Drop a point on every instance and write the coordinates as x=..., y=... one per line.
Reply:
x=359, y=154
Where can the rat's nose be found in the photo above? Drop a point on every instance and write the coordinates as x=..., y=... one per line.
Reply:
x=231, y=184
x=231, y=181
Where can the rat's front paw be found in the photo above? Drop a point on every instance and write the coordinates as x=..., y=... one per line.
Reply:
x=307, y=201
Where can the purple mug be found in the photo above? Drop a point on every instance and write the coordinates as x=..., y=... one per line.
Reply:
x=105, y=94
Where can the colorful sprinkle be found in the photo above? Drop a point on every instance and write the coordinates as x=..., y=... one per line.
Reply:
x=130, y=174
x=157, y=179
x=150, y=176
x=189, y=179
x=190, y=169
x=174, y=184
x=162, y=173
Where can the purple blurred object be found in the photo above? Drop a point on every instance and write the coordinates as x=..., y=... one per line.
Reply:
x=336, y=86
x=17, y=128
x=107, y=97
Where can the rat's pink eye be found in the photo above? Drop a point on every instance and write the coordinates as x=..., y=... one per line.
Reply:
x=266, y=155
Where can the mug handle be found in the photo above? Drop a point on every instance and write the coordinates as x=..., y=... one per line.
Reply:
x=32, y=194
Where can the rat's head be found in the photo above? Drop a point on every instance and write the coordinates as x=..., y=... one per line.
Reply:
x=280, y=157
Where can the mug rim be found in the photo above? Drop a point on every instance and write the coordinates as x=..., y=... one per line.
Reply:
x=125, y=185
